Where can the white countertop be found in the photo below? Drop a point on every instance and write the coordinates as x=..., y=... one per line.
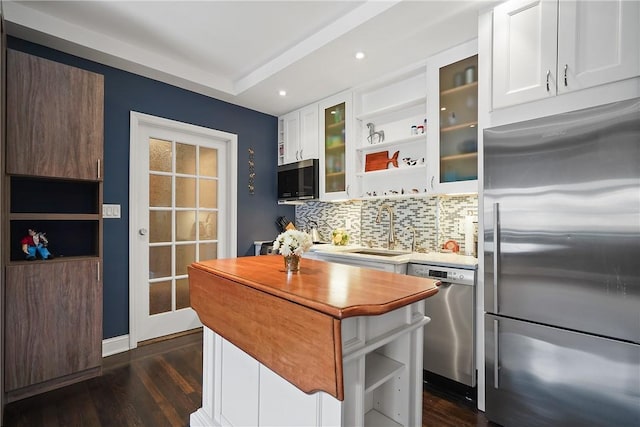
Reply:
x=433, y=258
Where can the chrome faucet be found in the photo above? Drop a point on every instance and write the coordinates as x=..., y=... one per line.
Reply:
x=391, y=240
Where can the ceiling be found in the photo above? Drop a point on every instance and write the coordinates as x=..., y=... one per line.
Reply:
x=245, y=52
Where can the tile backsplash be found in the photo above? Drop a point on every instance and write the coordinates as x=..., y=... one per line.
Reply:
x=329, y=216
x=435, y=219
x=419, y=213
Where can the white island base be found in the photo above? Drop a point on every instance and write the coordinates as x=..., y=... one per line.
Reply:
x=382, y=373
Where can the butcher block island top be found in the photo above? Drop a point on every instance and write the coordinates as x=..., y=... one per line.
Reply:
x=291, y=322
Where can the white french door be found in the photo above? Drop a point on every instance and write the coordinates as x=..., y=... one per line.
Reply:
x=182, y=202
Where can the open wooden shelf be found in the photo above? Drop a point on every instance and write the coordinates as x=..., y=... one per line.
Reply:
x=53, y=217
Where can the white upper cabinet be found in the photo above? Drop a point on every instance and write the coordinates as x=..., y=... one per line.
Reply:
x=542, y=48
x=309, y=132
x=599, y=43
x=336, y=157
x=298, y=135
x=290, y=124
x=524, y=51
x=452, y=111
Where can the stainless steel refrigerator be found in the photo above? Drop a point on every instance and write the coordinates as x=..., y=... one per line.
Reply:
x=561, y=202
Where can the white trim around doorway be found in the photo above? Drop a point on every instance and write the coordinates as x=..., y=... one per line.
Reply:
x=139, y=119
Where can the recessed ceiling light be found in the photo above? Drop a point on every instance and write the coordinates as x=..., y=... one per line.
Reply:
x=282, y=93
x=359, y=55
x=443, y=109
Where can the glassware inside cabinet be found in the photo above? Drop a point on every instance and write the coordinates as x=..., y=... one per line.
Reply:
x=459, y=120
x=334, y=148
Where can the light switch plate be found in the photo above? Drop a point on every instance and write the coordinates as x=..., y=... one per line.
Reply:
x=110, y=211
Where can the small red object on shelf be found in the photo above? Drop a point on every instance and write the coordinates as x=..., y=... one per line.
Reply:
x=452, y=246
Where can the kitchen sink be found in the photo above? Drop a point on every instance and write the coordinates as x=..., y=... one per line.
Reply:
x=378, y=252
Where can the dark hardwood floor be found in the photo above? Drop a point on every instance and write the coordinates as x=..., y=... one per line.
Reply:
x=159, y=384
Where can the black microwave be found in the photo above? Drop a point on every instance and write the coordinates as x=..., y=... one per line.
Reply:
x=298, y=181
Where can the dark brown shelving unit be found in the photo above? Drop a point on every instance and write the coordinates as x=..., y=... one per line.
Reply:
x=53, y=184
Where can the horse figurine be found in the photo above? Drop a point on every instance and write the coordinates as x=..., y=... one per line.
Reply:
x=374, y=137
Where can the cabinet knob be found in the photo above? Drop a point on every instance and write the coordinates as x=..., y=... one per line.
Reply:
x=142, y=232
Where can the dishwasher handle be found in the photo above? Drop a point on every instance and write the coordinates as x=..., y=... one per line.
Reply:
x=442, y=284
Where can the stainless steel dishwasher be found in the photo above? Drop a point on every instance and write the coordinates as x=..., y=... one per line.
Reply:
x=449, y=339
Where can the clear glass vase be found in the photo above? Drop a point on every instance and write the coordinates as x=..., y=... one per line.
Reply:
x=291, y=263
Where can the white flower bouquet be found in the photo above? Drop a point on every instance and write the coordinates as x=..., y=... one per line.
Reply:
x=292, y=242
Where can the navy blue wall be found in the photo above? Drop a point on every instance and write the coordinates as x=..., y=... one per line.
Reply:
x=125, y=92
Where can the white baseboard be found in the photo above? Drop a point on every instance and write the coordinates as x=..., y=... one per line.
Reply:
x=201, y=419
x=115, y=345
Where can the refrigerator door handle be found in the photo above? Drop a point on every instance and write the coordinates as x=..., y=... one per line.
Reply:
x=496, y=253
x=496, y=354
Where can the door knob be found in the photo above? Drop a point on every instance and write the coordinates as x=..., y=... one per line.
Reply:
x=142, y=232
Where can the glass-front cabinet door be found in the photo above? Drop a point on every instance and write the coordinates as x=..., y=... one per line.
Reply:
x=454, y=137
x=335, y=162
x=334, y=149
x=458, y=121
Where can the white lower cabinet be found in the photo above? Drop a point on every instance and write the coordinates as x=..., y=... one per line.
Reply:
x=382, y=375
x=239, y=380
x=278, y=397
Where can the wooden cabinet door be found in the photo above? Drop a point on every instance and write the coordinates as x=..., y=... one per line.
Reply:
x=524, y=51
x=598, y=43
x=54, y=119
x=53, y=320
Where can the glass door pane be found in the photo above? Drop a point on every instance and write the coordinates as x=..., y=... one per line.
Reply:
x=183, y=218
x=459, y=121
x=334, y=148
